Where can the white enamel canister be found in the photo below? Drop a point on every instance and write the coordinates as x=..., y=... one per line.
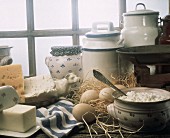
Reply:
x=140, y=27
x=99, y=50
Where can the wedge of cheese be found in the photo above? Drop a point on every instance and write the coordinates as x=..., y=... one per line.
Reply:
x=12, y=75
x=19, y=118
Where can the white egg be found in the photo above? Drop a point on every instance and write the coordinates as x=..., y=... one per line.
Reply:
x=88, y=96
x=85, y=111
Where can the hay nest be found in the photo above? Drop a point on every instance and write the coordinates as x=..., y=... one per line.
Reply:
x=102, y=116
x=128, y=80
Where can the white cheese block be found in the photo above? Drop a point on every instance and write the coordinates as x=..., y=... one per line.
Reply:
x=39, y=89
x=19, y=118
x=34, y=86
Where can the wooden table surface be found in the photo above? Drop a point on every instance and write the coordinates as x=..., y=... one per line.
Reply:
x=84, y=133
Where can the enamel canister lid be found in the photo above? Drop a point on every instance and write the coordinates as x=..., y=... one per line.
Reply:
x=102, y=29
x=143, y=11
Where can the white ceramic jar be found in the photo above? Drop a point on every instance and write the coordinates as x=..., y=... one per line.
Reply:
x=140, y=27
x=99, y=50
x=64, y=60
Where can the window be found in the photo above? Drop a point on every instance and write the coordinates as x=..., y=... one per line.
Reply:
x=13, y=15
x=48, y=14
x=98, y=10
x=31, y=27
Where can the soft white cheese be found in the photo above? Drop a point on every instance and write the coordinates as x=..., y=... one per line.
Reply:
x=143, y=97
x=34, y=86
x=19, y=118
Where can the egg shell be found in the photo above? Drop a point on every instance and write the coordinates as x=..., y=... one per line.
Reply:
x=106, y=94
x=85, y=111
x=88, y=96
x=119, y=86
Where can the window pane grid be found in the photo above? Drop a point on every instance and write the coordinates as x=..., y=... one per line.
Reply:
x=31, y=32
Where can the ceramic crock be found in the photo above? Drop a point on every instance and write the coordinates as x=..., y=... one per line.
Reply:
x=143, y=116
x=5, y=58
x=64, y=60
x=140, y=27
x=99, y=50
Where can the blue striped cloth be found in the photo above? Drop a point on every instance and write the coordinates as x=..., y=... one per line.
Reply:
x=57, y=120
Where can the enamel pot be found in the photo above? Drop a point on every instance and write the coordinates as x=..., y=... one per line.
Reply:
x=140, y=27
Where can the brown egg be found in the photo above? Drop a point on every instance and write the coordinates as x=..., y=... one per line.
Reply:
x=88, y=96
x=106, y=94
x=85, y=111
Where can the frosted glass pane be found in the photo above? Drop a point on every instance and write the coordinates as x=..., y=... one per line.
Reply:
x=52, y=14
x=43, y=48
x=157, y=5
x=12, y=15
x=19, y=52
x=98, y=10
x=81, y=39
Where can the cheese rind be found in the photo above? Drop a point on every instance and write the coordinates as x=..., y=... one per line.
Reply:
x=19, y=118
x=12, y=75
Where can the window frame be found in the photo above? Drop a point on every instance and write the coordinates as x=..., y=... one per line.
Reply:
x=31, y=33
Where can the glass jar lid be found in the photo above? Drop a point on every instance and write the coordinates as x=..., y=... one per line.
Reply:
x=65, y=50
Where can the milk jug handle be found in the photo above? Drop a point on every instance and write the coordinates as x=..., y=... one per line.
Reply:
x=136, y=8
x=107, y=26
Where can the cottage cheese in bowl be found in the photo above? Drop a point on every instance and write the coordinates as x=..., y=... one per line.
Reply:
x=147, y=109
x=143, y=97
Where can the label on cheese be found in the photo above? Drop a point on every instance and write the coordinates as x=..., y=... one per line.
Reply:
x=19, y=118
x=12, y=75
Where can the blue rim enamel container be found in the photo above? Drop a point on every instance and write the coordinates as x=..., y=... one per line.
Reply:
x=99, y=50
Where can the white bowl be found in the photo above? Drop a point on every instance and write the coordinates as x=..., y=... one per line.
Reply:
x=149, y=116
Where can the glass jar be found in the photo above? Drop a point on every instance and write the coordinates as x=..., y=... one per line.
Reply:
x=64, y=60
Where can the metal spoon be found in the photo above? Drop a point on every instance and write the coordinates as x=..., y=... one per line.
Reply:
x=103, y=79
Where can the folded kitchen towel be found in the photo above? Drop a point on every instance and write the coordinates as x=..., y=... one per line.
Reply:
x=57, y=120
